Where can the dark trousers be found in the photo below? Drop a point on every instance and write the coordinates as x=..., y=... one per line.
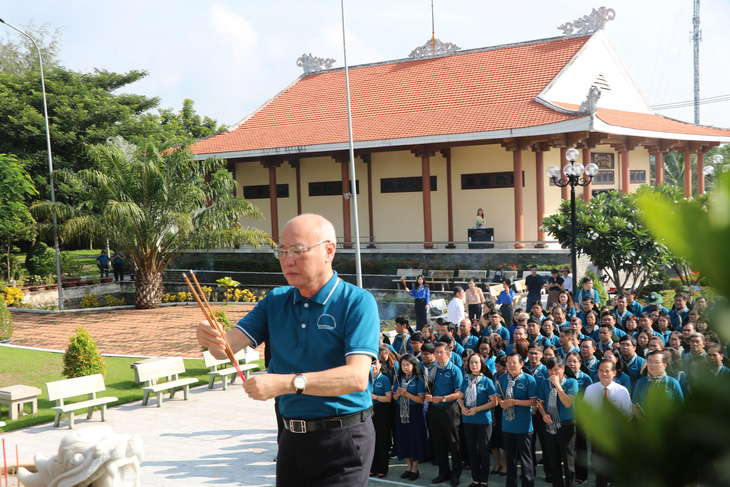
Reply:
x=475, y=312
x=118, y=274
x=518, y=448
x=581, y=455
x=443, y=424
x=477, y=444
x=539, y=433
x=562, y=454
x=103, y=270
x=506, y=311
x=598, y=460
x=340, y=457
x=421, y=314
x=383, y=422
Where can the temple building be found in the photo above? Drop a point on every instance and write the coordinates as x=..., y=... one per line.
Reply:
x=447, y=131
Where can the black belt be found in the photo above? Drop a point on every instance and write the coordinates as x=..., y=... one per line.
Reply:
x=326, y=424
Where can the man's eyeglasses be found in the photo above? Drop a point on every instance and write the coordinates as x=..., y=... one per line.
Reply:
x=295, y=251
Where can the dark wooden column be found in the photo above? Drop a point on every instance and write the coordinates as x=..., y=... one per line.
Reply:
x=273, y=198
x=368, y=160
x=449, y=199
x=700, y=175
x=425, y=153
x=297, y=165
x=625, y=172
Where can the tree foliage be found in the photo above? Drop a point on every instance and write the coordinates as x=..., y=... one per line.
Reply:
x=610, y=231
x=82, y=357
x=18, y=54
x=16, y=222
x=153, y=205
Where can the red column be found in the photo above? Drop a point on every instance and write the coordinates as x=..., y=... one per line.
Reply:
x=273, y=203
x=519, y=210
x=345, y=166
x=625, y=172
x=564, y=191
x=426, y=183
x=659, y=168
x=700, y=176
x=540, y=181
x=588, y=189
x=687, y=174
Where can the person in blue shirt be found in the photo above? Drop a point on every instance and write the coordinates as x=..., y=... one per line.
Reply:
x=323, y=337
x=411, y=435
x=631, y=304
x=537, y=369
x=520, y=333
x=560, y=319
x=467, y=339
x=556, y=396
x=476, y=399
x=382, y=420
x=587, y=356
x=402, y=340
x=495, y=326
x=567, y=343
x=573, y=363
x=536, y=312
x=484, y=348
x=608, y=318
x=455, y=350
x=680, y=312
x=621, y=311
x=102, y=262
x=655, y=379
x=422, y=296
x=715, y=356
x=654, y=302
x=548, y=331
x=518, y=395
x=633, y=364
x=533, y=332
x=117, y=260
x=505, y=300
x=587, y=291
x=443, y=416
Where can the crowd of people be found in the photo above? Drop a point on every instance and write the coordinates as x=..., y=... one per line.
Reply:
x=482, y=388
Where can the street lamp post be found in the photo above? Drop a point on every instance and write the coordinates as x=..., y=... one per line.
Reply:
x=50, y=163
x=709, y=171
x=574, y=174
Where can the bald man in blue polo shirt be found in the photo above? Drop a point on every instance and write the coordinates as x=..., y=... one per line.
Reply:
x=323, y=337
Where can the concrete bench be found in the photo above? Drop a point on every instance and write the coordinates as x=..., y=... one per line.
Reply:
x=16, y=397
x=170, y=368
x=227, y=369
x=89, y=386
x=409, y=275
x=440, y=277
x=466, y=274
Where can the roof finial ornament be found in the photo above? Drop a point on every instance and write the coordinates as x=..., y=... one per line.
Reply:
x=589, y=24
x=432, y=48
x=311, y=64
x=590, y=105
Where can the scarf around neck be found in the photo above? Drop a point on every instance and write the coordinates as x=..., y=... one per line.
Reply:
x=552, y=409
x=470, y=396
x=404, y=402
x=509, y=413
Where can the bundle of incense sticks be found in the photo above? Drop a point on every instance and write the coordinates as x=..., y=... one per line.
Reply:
x=199, y=296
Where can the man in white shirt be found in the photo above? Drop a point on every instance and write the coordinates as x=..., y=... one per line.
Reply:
x=596, y=394
x=455, y=311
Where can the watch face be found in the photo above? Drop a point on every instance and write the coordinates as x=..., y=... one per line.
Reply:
x=300, y=382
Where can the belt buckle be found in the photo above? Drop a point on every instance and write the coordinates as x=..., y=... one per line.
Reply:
x=297, y=426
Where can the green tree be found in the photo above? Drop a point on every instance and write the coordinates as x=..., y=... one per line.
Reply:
x=153, y=205
x=18, y=54
x=611, y=233
x=16, y=222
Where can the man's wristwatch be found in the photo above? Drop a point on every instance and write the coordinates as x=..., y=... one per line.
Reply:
x=300, y=383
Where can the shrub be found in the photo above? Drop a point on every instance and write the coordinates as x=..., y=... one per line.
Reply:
x=113, y=301
x=12, y=296
x=82, y=357
x=6, y=322
x=90, y=301
x=40, y=260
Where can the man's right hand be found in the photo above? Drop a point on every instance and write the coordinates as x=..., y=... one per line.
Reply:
x=208, y=336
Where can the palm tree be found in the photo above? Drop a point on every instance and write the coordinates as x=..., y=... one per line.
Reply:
x=153, y=205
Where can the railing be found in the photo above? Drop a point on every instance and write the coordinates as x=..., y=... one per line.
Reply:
x=370, y=244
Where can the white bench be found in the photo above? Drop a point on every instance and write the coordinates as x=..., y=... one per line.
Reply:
x=89, y=385
x=223, y=373
x=170, y=368
x=408, y=275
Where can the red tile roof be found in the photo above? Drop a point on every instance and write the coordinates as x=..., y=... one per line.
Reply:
x=474, y=91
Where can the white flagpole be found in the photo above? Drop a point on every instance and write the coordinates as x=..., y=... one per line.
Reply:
x=353, y=179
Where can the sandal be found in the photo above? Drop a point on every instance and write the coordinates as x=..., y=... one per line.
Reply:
x=496, y=469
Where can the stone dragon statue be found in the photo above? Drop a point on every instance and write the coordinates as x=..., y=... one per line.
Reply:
x=90, y=457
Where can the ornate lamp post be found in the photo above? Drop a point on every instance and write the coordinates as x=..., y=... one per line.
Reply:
x=709, y=171
x=574, y=174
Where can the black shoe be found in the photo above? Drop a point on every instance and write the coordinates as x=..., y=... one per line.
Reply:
x=414, y=475
x=454, y=481
x=439, y=479
x=474, y=484
x=406, y=474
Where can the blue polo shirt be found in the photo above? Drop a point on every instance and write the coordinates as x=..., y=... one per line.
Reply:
x=679, y=318
x=381, y=386
x=416, y=387
x=540, y=373
x=315, y=334
x=447, y=382
x=592, y=366
x=470, y=342
x=103, y=260
x=670, y=386
x=570, y=386
x=621, y=318
x=398, y=342
x=562, y=353
x=584, y=380
x=633, y=369
x=624, y=380
x=525, y=389
x=503, y=332
x=485, y=390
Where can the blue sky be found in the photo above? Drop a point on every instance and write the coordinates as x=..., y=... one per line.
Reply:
x=232, y=56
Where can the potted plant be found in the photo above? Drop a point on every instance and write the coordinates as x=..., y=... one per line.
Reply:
x=51, y=282
x=36, y=283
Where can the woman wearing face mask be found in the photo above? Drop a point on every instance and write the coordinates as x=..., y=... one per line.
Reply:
x=478, y=396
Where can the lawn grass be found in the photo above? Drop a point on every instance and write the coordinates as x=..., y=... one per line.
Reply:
x=35, y=368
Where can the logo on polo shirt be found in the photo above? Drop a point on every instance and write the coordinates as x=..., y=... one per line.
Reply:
x=520, y=385
x=326, y=322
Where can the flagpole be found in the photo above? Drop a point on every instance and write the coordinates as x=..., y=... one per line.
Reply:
x=353, y=179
